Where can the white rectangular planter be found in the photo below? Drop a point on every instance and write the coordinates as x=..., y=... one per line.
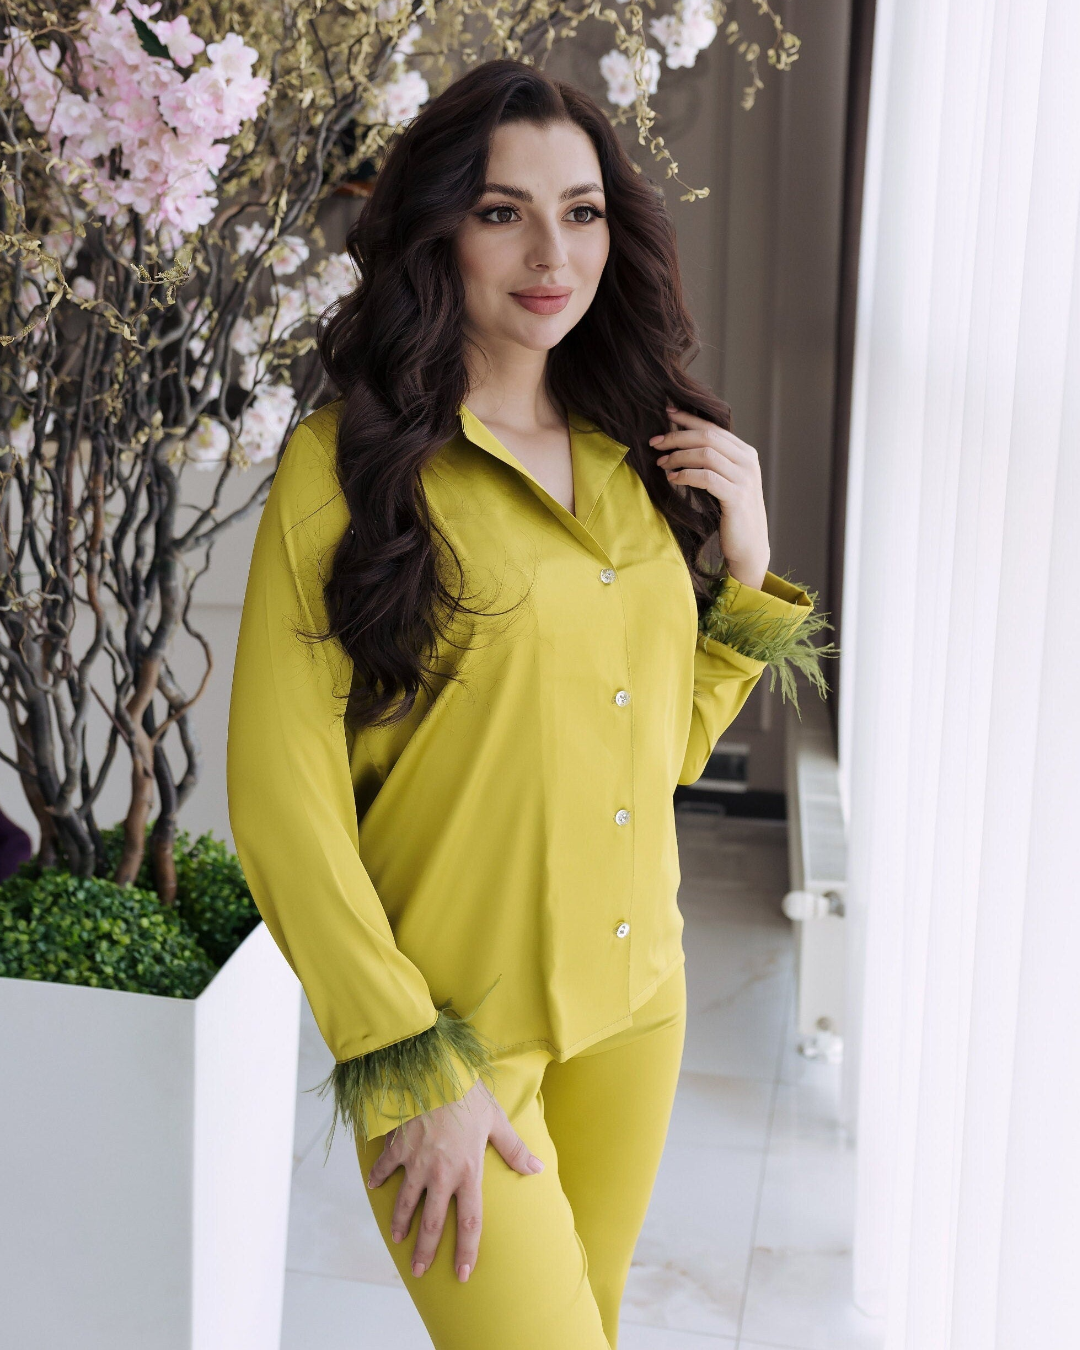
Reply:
x=146, y=1148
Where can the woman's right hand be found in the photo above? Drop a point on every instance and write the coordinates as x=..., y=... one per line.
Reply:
x=443, y=1154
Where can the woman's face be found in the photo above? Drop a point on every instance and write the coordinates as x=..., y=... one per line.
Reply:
x=537, y=231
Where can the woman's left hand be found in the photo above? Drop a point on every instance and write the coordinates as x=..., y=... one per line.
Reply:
x=703, y=455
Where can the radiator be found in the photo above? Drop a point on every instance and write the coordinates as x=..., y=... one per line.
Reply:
x=817, y=866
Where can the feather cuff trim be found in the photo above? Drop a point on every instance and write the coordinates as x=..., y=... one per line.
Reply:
x=409, y=1077
x=782, y=641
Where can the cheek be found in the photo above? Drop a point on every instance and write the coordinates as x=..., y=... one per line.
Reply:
x=484, y=265
x=591, y=256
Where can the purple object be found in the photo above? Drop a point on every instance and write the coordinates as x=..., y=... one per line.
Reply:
x=15, y=847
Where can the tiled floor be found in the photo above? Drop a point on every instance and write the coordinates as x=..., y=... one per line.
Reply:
x=747, y=1243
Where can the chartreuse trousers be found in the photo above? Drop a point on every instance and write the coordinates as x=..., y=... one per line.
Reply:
x=556, y=1247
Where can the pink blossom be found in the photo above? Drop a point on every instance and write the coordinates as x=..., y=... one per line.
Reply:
x=173, y=133
x=183, y=44
x=287, y=254
x=401, y=97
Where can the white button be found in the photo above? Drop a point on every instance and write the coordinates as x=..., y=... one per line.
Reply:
x=621, y=817
x=622, y=698
x=622, y=929
x=607, y=576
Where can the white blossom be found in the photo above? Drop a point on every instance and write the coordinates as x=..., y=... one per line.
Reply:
x=685, y=33
x=406, y=44
x=266, y=420
x=618, y=72
x=336, y=276
x=208, y=445
x=248, y=237
x=21, y=438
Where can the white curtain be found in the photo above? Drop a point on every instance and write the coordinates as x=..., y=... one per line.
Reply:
x=960, y=732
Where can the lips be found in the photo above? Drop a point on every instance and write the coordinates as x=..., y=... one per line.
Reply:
x=538, y=300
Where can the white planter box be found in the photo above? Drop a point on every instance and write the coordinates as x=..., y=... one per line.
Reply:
x=146, y=1149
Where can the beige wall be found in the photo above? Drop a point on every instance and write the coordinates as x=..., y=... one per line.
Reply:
x=760, y=262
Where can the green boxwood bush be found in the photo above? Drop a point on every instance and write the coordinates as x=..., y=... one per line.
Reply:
x=212, y=897
x=90, y=931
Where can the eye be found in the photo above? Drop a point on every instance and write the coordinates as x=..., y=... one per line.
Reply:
x=597, y=214
x=483, y=215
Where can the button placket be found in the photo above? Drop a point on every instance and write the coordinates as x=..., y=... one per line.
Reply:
x=620, y=698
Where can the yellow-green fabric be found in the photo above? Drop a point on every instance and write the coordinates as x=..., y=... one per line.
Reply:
x=556, y=1248
x=499, y=840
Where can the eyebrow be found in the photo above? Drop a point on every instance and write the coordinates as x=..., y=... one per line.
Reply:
x=523, y=195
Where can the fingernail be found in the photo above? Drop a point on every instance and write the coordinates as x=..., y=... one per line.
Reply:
x=661, y=459
x=463, y=1273
x=654, y=439
x=418, y=1267
x=535, y=1165
x=397, y=1236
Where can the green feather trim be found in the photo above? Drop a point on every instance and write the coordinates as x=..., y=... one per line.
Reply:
x=783, y=643
x=381, y=1079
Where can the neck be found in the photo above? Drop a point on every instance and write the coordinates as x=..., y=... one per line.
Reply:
x=508, y=386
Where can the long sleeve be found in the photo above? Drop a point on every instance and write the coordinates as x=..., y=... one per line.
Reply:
x=744, y=631
x=293, y=815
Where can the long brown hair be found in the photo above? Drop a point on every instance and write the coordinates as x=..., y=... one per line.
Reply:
x=395, y=349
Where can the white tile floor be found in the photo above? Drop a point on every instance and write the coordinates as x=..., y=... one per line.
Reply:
x=747, y=1245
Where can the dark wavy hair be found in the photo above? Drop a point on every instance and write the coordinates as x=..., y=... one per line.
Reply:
x=395, y=349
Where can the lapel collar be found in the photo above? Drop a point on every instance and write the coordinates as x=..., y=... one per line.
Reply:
x=595, y=457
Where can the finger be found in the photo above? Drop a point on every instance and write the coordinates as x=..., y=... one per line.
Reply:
x=432, y=1222
x=713, y=483
x=513, y=1149
x=707, y=433
x=384, y=1164
x=674, y=440
x=688, y=419
x=470, y=1209
x=408, y=1197
x=703, y=458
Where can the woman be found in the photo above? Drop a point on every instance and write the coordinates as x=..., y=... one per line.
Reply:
x=473, y=665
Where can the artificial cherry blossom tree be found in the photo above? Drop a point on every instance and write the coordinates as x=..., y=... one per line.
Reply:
x=162, y=167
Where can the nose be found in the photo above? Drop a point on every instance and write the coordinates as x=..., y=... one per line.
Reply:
x=546, y=249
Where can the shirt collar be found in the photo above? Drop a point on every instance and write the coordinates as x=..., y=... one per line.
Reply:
x=595, y=457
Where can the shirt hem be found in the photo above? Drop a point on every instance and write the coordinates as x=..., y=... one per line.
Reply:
x=561, y=1056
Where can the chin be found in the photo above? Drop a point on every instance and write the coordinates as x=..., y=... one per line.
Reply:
x=544, y=344
x=539, y=336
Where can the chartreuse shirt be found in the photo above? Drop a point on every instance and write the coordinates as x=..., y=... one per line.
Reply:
x=498, y=871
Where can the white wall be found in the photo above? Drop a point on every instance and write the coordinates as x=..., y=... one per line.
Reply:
x=217, y=616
